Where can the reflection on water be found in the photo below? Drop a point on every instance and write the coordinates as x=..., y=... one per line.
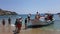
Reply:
x=3, y=29
x=9, y=28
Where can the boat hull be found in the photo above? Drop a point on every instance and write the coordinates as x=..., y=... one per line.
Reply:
x=37, y=24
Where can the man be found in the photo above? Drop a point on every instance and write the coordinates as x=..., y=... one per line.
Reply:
x=37, y=16
x=25, y=23
x=9, y=21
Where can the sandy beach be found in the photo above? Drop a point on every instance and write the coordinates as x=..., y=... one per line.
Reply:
x=9, y=30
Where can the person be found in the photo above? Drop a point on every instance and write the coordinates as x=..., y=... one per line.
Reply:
x=28, y=17
x=3, y=22
x=37, y=16
x=16, y=22
x=25, y=23
x=51, y=17
x=9, y=21
x=46, y=17
x=19, y=24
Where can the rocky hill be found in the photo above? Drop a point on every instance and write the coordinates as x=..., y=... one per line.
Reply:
x=5, y=12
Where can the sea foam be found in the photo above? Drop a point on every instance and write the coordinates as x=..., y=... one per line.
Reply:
x=12, y=25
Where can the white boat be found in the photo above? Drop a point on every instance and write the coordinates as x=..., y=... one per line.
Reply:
x=39, y=23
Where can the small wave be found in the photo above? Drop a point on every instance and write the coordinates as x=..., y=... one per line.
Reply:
x=12, y=25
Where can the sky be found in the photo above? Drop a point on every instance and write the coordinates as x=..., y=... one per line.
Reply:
x=31, y=6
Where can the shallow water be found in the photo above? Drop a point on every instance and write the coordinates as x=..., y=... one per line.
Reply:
x=55, y=26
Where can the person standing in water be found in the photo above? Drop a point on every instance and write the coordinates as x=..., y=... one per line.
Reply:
x=9, y=21
x=3, y=22
x=28, y=17
x=19, y=24
x=16, y=22
x=25, y=23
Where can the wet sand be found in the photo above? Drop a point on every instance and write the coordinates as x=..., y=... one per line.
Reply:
x=9, y=30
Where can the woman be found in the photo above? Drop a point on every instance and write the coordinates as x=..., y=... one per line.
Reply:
x=19, y=25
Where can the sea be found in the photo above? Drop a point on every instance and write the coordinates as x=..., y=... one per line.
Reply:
x=53, y=27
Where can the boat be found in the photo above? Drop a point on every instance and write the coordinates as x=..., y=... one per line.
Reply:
x=38, y=23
